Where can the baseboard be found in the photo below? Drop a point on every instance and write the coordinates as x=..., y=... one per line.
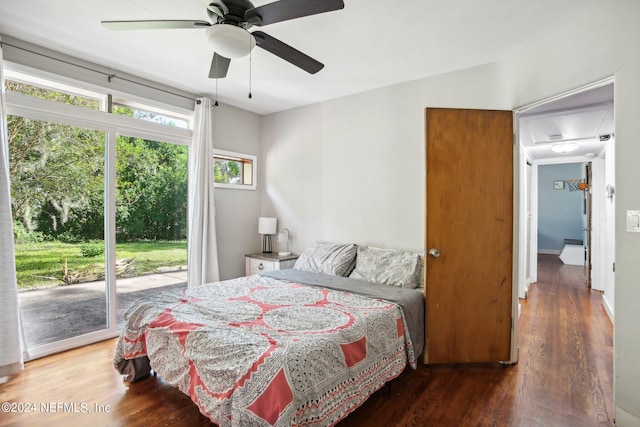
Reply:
x=527, y=286
x=608, y=309
x=625, y=419
x=519, y=310
x=550, y=251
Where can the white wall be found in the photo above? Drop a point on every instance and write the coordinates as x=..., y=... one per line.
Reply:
x=603, y=237
x=352, y=169
x=609, y=232
x=237, y=211
x=627, y=287
x=598, y=223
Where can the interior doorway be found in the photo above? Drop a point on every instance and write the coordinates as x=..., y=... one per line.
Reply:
x=575, y=127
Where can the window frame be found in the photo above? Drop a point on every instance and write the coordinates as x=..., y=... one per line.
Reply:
x=56, y=85
x=230, y=155
x=146, y=107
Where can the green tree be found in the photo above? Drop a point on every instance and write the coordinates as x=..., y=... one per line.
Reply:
x=57, y=178
x=56, y=170
x=56, y=173
x=226, y=171
x=151, y=191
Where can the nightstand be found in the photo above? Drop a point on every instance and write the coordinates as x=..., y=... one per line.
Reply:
x=257, y=263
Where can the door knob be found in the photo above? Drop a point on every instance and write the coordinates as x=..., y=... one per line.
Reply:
x=434, y=252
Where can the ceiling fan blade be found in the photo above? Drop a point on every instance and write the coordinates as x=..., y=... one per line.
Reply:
x=286, y=52
x=285, y=10
x=154, y=25
x=219, y=67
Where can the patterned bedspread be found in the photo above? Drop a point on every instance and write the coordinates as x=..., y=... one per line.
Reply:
x=259, y=351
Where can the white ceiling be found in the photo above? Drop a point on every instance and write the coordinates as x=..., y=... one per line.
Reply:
x=586, y=118
x=368, y=44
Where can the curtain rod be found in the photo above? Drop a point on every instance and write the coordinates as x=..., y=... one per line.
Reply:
x=109, y=76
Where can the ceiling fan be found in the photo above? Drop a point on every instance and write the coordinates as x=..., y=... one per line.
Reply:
x=228, y=32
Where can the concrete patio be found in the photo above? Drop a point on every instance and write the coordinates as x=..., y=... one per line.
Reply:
x=61, y=312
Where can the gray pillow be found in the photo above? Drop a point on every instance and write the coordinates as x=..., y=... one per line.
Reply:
x=328, y=258
x=388, y=266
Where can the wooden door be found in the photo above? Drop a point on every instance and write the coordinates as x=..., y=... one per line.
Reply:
x=469, y=221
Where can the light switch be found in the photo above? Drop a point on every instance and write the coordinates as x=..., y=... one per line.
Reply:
x=633, y=221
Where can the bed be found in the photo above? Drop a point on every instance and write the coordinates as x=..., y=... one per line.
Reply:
x=304, y=346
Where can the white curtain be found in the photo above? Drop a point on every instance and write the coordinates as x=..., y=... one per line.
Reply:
x=203, y=248
x=11, y=345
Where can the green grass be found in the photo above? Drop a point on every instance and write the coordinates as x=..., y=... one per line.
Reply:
x=41, y=264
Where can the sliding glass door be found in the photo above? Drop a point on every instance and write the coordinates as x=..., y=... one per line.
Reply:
x=151, y=219
x=57, y=187
x=99, y=207
x=58, y=190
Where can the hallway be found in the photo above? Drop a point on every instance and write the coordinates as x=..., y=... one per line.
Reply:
x=566, y=350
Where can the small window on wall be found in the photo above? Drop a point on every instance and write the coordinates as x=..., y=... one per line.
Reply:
x=234, y=170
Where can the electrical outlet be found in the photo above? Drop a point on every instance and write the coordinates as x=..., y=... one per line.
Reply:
x=633, y=221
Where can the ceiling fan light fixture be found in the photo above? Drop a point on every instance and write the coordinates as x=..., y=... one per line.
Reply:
x=564, y=147
x=230, y=41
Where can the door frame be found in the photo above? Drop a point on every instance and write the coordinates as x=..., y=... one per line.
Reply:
x=518, y=269
x=529, y=252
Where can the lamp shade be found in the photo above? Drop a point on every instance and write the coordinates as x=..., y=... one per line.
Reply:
x=267, y=225
x=230, y=41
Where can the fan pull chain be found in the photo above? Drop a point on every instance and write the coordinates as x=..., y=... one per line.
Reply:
x=215, y=104
x=250, y=61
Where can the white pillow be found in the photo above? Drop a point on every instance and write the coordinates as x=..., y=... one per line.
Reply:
x=328, y=258
x=388, y=266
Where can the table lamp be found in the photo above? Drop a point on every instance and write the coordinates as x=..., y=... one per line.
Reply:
x=283, y=237
x=267, y=227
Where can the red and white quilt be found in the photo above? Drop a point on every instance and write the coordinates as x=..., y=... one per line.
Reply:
x=263, y=352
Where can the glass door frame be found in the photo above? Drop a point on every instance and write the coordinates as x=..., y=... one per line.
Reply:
x=112, y=125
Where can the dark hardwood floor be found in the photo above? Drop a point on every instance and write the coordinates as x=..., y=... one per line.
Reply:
x=563, y=378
